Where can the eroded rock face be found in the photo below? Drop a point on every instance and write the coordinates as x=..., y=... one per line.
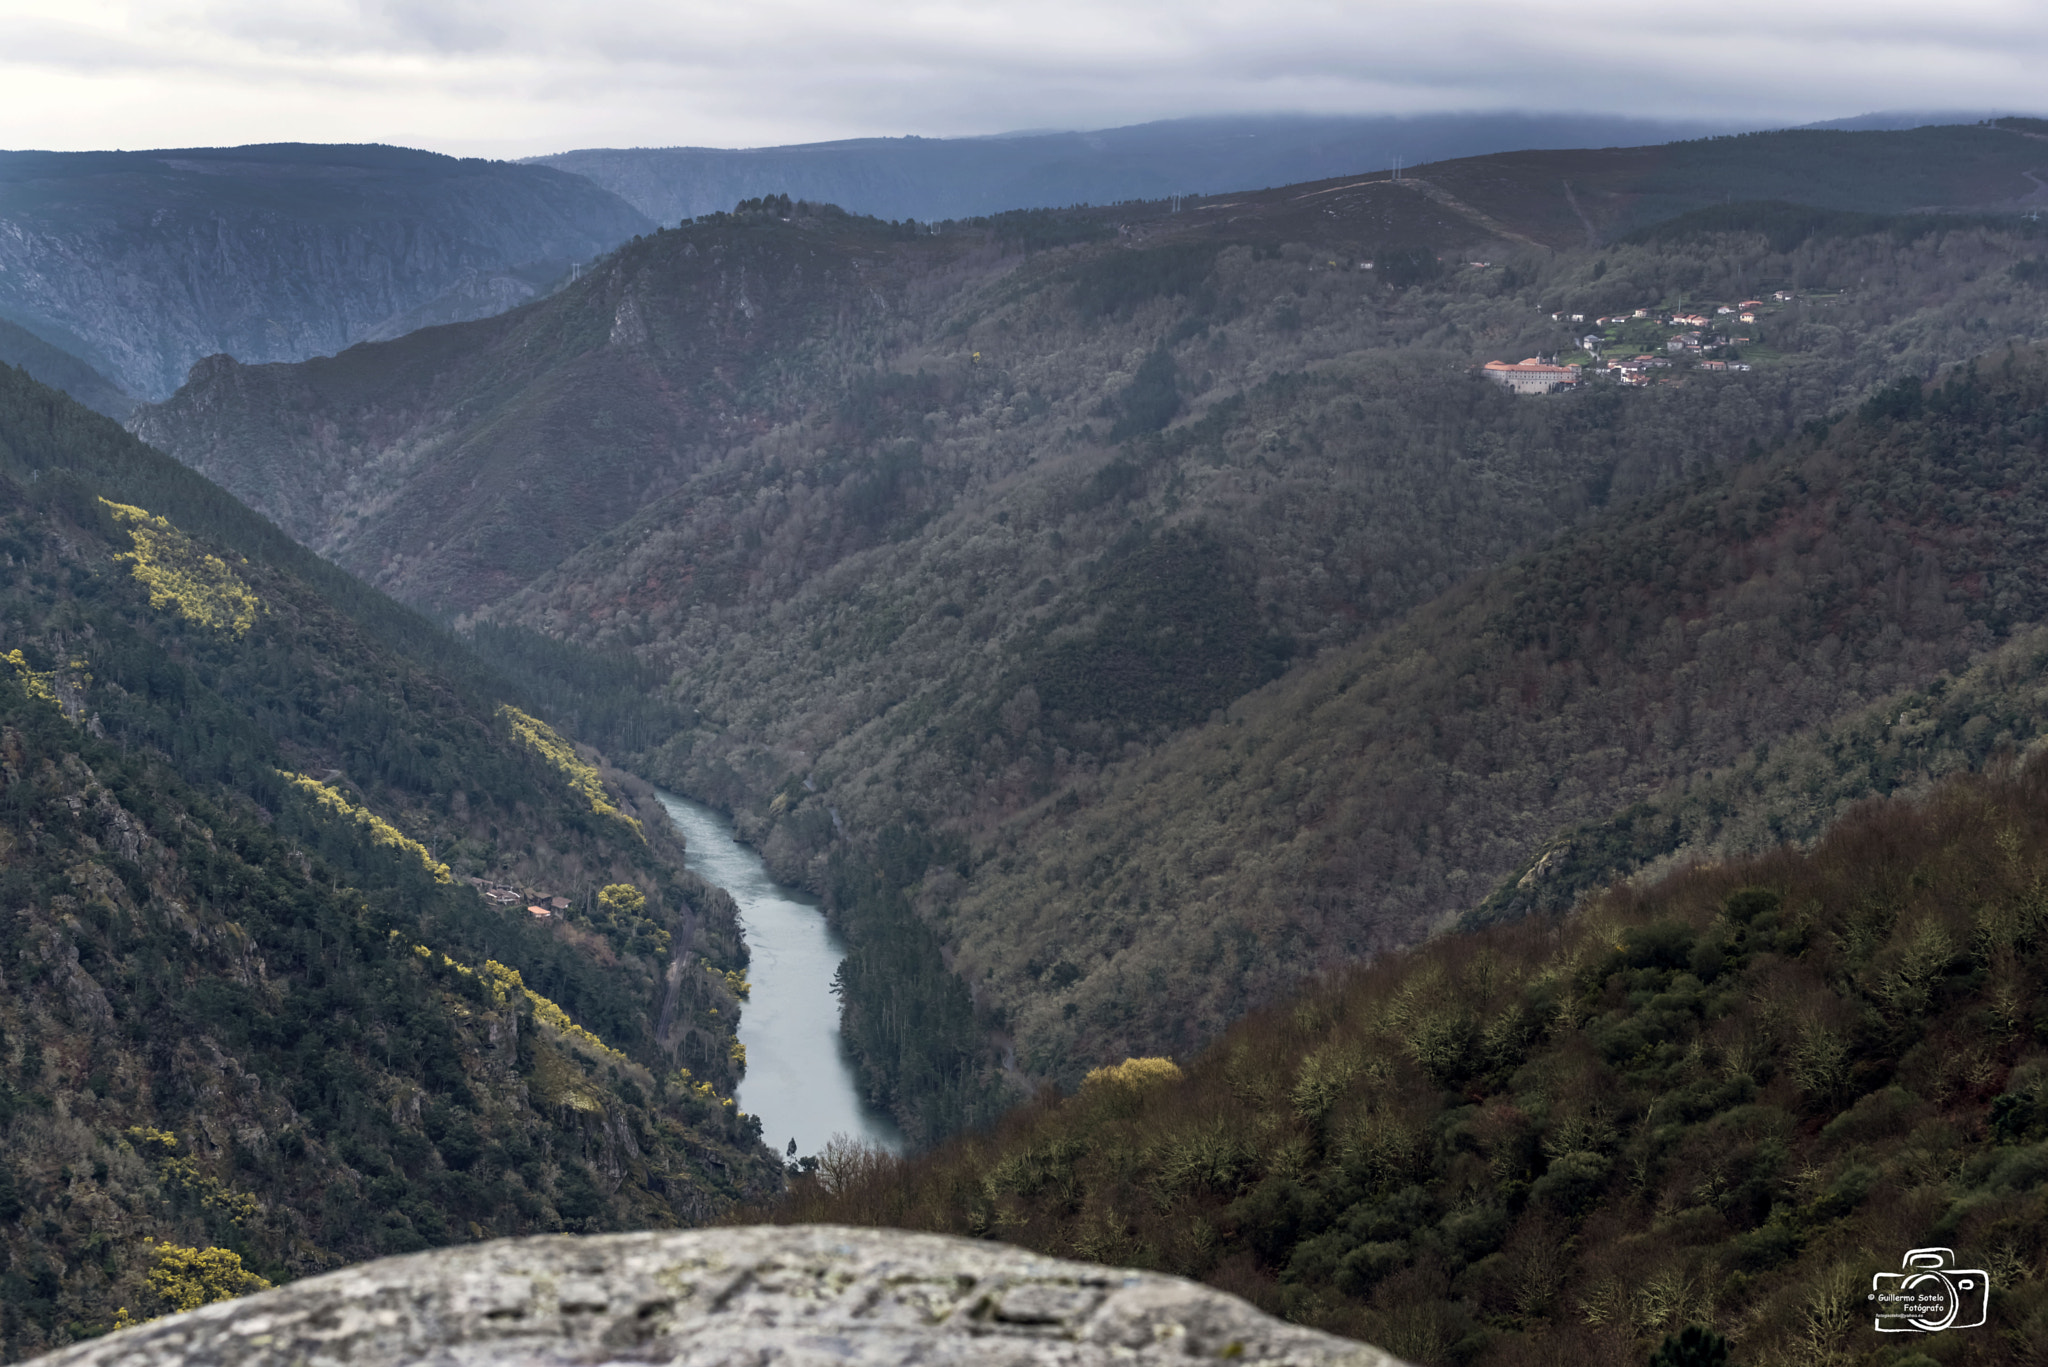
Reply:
x=792, y=1297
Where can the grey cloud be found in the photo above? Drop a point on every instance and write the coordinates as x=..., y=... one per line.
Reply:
x=519, y=75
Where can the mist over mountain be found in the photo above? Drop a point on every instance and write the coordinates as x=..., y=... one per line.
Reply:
x=940, y=178
x=140, y=263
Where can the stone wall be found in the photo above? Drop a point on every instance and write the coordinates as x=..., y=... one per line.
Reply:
x=787, y=1296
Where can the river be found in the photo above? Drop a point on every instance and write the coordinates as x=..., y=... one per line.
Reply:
x=798, y=1078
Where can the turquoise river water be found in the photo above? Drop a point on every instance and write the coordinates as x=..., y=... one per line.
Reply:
x=798, y=1078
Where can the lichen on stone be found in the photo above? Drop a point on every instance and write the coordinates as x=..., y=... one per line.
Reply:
x=810, y=1294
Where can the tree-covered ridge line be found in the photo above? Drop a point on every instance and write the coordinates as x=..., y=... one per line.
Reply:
x=144, y=263
x=560, y=755
x=59, y=369
x=341, y=725
x=49, y=436
x=380, y=831
x=956, y=178
x=312, y=691
x=1561, y=197
x=1723, y=1102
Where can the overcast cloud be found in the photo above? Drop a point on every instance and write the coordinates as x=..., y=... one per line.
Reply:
x=517, y=77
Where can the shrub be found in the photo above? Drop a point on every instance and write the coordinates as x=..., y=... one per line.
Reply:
x=187, y=1278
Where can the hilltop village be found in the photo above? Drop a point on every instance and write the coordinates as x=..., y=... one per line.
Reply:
x=1704, y=330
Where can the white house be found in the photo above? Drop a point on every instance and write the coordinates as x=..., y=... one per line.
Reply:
x=1532, y=376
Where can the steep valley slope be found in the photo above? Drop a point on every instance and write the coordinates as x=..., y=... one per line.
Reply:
x=1366, y=798
x=141, y=263
x=254, y=1003
x=439, y=466
x=965, y=551
x=61, y=370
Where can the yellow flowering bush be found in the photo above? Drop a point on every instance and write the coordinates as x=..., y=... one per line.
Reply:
x=583, y=777
x=37, y=684
x=184, y=1175
x=179, y=575
x=188, y=1278
x=507, y=980
x=622, y=899
x=381, y=832
x=150, y=1137
x=1133, y=1073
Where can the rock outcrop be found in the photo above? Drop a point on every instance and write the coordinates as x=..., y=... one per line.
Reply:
x=800, y=1295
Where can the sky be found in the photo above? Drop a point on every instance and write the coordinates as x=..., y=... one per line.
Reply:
x=522, y=77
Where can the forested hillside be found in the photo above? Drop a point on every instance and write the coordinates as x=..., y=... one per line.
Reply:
x=1383, y=790
x=61, y=370
x=1793, y=789
x=940, y=531
x=254, y=1003
x=141, y=263
x=1030, y=637
x=1723, y=1103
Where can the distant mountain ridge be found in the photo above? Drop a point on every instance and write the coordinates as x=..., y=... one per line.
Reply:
x=141, y=263
x=941, y=178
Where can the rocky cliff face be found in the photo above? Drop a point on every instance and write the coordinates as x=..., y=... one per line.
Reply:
x=141, y=263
